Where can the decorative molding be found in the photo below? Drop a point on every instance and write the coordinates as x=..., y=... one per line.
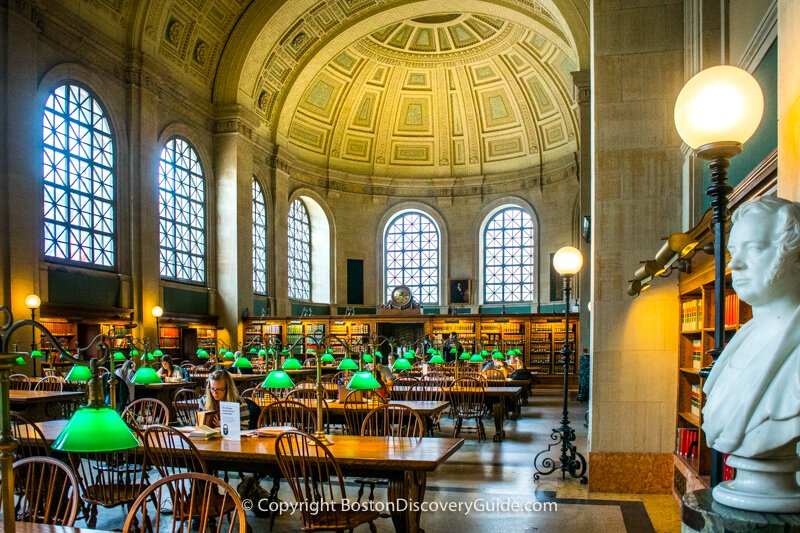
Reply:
x=766, y=33
x=139, y=77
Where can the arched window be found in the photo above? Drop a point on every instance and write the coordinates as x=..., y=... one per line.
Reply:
x=259, y=239
x=299, y=252
x=78, y=173
x=411, y=256
x=508, y=257
x=182, y=213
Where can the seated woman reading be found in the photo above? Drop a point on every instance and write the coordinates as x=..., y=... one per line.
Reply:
x=168, y=371
x=220, y=388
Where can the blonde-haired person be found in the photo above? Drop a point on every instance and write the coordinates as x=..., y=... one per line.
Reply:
x=220, y=388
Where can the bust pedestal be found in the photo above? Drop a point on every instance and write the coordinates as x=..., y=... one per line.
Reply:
x=701, y=514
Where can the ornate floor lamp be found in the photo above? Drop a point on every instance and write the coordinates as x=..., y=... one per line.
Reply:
x=716, y=112
x=568, y=262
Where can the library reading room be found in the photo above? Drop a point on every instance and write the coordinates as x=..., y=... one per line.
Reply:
x=400, y=265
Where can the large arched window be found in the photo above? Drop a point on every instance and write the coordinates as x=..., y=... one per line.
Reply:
x=78, y=158
x=182, y=213
x=508, y=257
x=259, y=239
x=299, y=252
x=411, y=256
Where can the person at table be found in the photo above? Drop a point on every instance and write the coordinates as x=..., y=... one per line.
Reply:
x=514, y=363
x=449, y=344
x=240, y=370
x=168, y=371
x=220, y=388
x=496, y=364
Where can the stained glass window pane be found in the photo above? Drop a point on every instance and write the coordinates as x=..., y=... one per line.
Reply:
x=78, y=175
x=299, y=252
x=411, y=256
x=508, y=257
x=181, y=212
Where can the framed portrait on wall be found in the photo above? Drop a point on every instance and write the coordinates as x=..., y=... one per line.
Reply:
x=459, y=291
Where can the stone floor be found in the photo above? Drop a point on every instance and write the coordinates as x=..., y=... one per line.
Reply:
x=497, y=474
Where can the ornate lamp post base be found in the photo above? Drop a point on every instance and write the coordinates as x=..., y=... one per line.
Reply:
x=571, y=461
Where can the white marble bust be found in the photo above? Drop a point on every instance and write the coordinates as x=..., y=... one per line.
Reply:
x=753, y=392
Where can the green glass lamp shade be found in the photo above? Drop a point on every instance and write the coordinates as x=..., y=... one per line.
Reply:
x=410, y=355
x=262, y=353
x=464, y=356
x=158, y=353
x=436, y=360
x=278, y=379
x=347, y=364
x=134, y=353
x=402, y=364
x=453, y=350
x=484, y=353
x=146, y=376
x=36, y=354
x=119, y=356
x=79, y=373
x=498, y=355
x=430, y=351
x=202, y=354
x=242, y=362
x=82, y=432
x=285, y=352
x=378, y=354
x=292, y=364
x=222, y=351
x=517, y=351
x=253, y=350
x=367, y=358
x=476, y=358
x=20, y=360
x=149, y=357
x=327, y=358
x=311, y=351
x=363, y=381
x=329, y=350
x=229, y=355
x=198, y=351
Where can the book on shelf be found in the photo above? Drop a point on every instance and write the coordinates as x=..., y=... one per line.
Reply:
x=691, y=315
x=731, y=310
x=687, y=442
x=697, y=353
x=695, y=409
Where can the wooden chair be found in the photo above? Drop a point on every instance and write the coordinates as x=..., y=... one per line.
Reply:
x=467, y=399
x=392, y=421
x=309, y=362
x=261, y=397
x=317, y=482
x=388, y=421
x=288, y=413
x=19, y=382
x=46, y=492
x=357, y=404
x=108, y=479
x=428, y=389
x=145, y=412
x=171, y=452
x=306, y=395
x=493, y=378
x=52, y=372
x=201, y=497
x=186, y=403
x=31, y=439
x=403, y=382
x=50, y=384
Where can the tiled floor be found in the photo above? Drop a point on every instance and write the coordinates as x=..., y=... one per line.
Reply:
x=497, y=475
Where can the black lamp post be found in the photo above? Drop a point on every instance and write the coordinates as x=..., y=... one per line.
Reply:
x=157, y=312
x=33, y=302
x=716, y=112
x=568, y=262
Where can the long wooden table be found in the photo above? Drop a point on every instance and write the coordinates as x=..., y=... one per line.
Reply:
x=405, y=462
x=28, y=527
x=496, y=397
x=34, y=403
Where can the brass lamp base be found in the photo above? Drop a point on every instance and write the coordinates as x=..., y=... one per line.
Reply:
x=323, y=438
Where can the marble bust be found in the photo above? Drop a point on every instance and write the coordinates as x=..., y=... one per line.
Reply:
x=752, y=409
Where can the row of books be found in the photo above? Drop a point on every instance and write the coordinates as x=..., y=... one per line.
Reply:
x=691, y=315
x=687, y=442
x=697, y=353
x=731, y=310
x=696, y=395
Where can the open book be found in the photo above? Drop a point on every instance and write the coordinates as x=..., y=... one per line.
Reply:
x=199, y=432
x=271, y=431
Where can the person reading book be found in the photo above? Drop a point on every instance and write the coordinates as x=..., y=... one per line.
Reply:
x=220, y=388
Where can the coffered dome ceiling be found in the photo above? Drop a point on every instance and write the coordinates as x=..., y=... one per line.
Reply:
x=449, y=94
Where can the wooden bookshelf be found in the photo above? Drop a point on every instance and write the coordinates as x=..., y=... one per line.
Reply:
x=695, y=339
